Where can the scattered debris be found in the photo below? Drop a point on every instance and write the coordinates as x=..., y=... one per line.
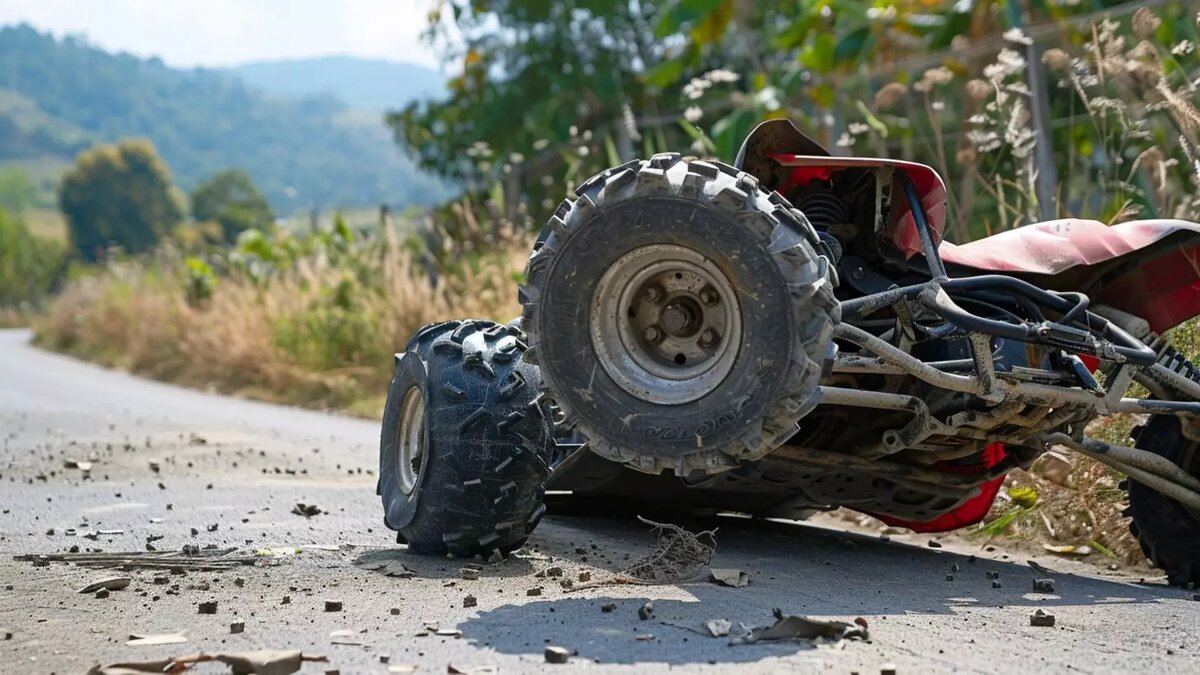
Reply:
x=391, y=568
x=1068, y=549
x=306, y=510
x=345, y=637
x=678, y=556
x=404, y=668
x=109, y=584
x=992, y=575
x=209, y=607
x=96, y=534
x=137, y=640
x=934, y=544
x=996, y=584
x=75, y=464
x=551, y=572
x=496, y=557
x=1042, y=619
x=189, y=558
x=887, y=669
x=470, y=601
x=265, y=662
x=236, y=627
x=718, y=627
x=1043, y=586
x=730, y=577
x=585, y=577
x=556, y=654
x=608, y=607
x=791, y=627
x=646, y=611
x=534, y=592
x=469, y=573
x=102, y=594
x=333, y=605
x=448, y=632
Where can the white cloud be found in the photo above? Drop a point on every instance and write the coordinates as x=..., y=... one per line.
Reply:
x=224, y=32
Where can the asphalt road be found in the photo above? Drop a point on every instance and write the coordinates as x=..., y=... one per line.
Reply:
x=242, y=466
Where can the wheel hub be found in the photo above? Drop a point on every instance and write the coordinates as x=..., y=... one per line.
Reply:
x=410, y=440
x=666, y=324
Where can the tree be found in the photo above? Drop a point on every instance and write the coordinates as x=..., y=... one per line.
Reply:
x=118, y=195
x=231, y=199
x=17, y=192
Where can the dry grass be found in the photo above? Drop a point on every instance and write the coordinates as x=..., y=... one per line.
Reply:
x=319, y=331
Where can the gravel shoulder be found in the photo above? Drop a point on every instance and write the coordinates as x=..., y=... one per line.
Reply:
x=242, y=466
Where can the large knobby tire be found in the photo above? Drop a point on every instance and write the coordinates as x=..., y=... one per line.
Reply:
x=1168, y=532
x=707, y=249
x=465, y=441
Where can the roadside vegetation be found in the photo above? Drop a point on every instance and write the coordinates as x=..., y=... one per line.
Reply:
x=1066, y=112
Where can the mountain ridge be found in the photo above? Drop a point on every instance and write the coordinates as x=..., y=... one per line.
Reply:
x=364, y=83
x=310, y=152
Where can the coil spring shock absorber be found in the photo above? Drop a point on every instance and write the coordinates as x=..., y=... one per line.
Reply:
x=824, y=210
x=1170, y=358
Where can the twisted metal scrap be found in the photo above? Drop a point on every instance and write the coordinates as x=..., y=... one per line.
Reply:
x=678, y=556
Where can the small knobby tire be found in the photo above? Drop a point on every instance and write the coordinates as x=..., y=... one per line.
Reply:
x=1168, y=532
x=767, y=252
x=478, y=485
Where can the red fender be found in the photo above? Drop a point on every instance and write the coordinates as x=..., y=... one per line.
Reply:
x=1147, y=268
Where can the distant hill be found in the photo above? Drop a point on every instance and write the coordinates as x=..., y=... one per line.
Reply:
x=60, y=96
x=367, y=84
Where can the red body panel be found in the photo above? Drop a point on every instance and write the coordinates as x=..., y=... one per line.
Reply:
x=902, y=231
x=972, y=511
x=1148, y=268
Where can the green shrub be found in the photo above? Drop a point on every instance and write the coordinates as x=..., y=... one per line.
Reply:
x=30, y=266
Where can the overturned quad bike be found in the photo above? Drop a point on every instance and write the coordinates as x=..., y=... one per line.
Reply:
x=789, y=334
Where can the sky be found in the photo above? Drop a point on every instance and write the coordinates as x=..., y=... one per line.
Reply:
x=226, y=32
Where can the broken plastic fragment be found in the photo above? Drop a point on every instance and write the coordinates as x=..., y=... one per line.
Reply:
x=136, y=640
x=730, y=577
x=109, y=584
x=791, y=627
x=718, y=627
x=1068, y=550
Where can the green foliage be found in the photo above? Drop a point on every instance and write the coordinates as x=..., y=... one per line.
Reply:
x=17, y=191
x=333, y=330
x=68, y=94
x=543, y=84
x=118, y=195
x=30, y=266
x=199, y=283
x=231, y=199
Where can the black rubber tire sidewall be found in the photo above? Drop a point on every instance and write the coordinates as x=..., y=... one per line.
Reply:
x=752, y=385
x=399, y=508
x=482, y=479
x=1168, y=533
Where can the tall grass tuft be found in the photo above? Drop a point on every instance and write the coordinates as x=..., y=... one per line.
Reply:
x=310, y=320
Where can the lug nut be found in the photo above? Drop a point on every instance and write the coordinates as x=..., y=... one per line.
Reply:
x=652, y=334
x=708, y=296
x=653, y=294
x=708, y=338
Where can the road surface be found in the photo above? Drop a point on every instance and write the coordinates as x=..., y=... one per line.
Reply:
x=242, y=466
